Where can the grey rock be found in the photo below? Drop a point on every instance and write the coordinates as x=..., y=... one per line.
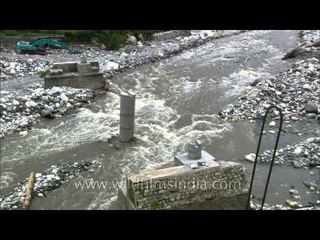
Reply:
x=30, y=104
x=296, y=164
x=309, y=184
x=307, y=86
x=272, y=124
x=255, y=82
x=45, y=98
x=292, y=204
x=311, y=108
x=38, y=175
x=46, y=113
x=23, y=133
x=250, y=157
x=15, y=102
x=64, y=97
x=3, y=107
x=132, y=39
x=293, y=191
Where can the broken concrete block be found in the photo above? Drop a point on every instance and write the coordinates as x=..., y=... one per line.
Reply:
x=55, y=71
x=84, y=68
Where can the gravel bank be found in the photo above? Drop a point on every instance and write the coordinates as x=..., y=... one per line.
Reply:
x=305, y=154
x=296, y=92
x=49, y=180
x=19, y=113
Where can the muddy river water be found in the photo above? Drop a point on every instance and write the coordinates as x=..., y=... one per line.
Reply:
x=177, y=99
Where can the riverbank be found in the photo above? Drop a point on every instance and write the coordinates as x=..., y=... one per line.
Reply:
x=166, y=44
x=297, y=93
x=49, y=180
x=20, y=113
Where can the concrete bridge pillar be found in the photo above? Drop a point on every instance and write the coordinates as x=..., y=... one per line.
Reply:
x=127, y=114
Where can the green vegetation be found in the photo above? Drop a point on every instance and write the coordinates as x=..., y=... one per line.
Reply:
x=43, y=73
x=111, y=39
x=30, y=33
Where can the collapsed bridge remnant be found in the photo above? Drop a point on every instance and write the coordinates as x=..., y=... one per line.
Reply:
x=78, y=75
x=127, y=113
x=125, y=137
x=210, y=185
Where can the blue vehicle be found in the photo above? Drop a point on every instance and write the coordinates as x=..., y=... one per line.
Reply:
x=39, y=46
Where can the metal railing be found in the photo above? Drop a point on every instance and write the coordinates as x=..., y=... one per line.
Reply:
x=273, y=157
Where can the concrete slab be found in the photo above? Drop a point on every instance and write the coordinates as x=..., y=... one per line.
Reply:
x=171, y=172
x=66, y=66
x=183, y=159
x=89, y=80
x=84, y=68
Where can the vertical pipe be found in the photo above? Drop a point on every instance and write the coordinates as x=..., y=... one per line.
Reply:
x=194, y=150
x=127, y=113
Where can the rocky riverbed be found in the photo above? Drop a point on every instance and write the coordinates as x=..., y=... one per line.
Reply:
x=19, y=113
x=305, y=154
x=296, y=92
x=49, y=180
x=137, y=53
x=292, y=205
x=16, y=67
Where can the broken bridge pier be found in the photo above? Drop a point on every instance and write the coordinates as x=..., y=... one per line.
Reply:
x=78, y=75
x=196, y=181
x=127, y=115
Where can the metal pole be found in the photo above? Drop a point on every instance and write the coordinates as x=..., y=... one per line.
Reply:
x=256, y=161
x=127, y=114
x=273, y=157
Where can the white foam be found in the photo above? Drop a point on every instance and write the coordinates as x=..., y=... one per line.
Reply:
x=6, y=178
x=237, y=82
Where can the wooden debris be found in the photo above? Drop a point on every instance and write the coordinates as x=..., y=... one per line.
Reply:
x=29, y=190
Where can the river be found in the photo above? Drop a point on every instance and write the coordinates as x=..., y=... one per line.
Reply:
x=177, y=99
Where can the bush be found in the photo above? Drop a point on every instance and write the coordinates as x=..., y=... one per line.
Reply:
x=81, y=36
x=147, y=34
x=43, y=73
x=113, y=39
